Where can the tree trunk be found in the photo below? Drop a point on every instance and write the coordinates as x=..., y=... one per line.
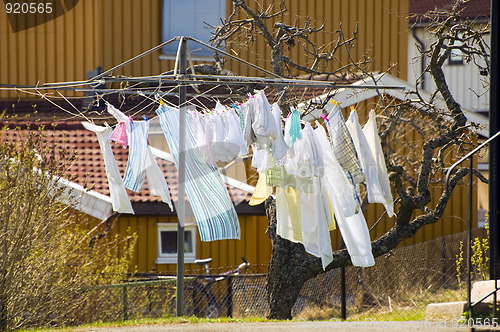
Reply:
x=285, y=276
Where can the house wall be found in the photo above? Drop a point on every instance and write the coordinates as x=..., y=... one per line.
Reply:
x=107, y=32
x=254, y=245
x=464, y=80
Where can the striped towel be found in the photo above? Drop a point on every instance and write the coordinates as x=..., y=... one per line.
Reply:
x=135, y=173
x=208, y=196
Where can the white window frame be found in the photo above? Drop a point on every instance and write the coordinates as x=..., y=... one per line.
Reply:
x=162, y=258
x=456, y=56
x=171, y=55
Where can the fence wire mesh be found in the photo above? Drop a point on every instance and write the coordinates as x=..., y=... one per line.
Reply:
x=399, y=287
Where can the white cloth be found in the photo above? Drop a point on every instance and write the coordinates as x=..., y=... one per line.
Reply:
x=263, y=124
x=157, y=183
x=368, y=165
x=261, y=159
x=248, y=111
x=337, y=184
x=233, y=135
x=279, y=146
x=352, y=226
x=117, y=192
x=371, y=133
x=315, y=222
x=307, y=161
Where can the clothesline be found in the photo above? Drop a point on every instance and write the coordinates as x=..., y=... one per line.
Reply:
x=316, y=179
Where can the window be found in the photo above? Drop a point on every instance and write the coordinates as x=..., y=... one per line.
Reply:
x=456, y=55
x=167, y=243
x=186, y=18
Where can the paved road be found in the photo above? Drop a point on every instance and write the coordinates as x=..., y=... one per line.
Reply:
x=418, y=326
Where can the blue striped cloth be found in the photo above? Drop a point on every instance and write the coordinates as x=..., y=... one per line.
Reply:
x=208, y=196
x=135, y=172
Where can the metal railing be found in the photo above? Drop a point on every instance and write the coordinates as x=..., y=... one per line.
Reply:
x=470, y=156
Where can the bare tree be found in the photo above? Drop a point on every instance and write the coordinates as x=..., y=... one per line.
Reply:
x=47, y=252
x=443, y=131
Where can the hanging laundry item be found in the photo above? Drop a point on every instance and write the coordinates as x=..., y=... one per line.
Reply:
x=343, y=147
x=315, y=222
x=261, y=159
x=278, y=177
x=135, y=173
x=233, y=136
x=352, y=226
x=279, y=146
x=117, y=192
x=141, y=163
x=337, y=185
x=295, y=128
x=207, y=194
x=264, y=124
x=119, y=135
x=288, y=214
x=307, y=160
x=368, y=165
x=371, y=132
x=119, y=115
x=261, y=192
x=249, y=113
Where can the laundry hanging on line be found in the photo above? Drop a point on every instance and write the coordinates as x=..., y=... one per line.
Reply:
x=301, y=162
x=208, y=196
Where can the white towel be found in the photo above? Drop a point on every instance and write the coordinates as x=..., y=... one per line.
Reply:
x=117, y=192
x=368, y=164
x=352, y=226
x=371, y=134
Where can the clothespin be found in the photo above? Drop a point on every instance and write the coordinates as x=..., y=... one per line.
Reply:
x=234, y=105
x=333, y=102
x=145, y=118
x=250, y=96
x=162, y=103
x=130, y=119
x=352, y=108
x=324, y=117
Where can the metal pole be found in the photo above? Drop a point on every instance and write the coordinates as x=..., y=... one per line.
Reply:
x=182, y=182
x=494, y=121
x=343, y=305
x=469, y=237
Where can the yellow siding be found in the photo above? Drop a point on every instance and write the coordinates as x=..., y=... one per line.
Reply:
x=106, y=33
x=254, y=245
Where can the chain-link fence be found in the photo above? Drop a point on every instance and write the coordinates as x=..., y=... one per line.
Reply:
x=399, y=287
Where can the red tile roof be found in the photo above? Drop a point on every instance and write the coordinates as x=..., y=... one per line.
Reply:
x=89, y=167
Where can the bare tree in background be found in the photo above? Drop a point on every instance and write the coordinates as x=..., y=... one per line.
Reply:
x=443, y=131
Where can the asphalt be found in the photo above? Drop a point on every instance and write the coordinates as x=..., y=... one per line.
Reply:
x=338, y=326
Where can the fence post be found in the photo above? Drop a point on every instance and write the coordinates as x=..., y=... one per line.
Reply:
x=125, y=303
x=230, y=296
x=343, y=305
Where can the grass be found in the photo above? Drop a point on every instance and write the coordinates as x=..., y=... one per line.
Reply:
x=154, y=321
x=408, y=307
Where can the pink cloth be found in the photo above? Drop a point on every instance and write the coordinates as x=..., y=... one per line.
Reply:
x=119, y=135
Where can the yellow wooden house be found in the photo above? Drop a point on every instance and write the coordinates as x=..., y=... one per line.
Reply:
x=94, y=35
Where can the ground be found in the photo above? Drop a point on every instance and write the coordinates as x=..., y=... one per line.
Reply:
x=386, y=326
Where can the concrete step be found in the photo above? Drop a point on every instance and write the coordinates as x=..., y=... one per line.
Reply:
x=481, y=288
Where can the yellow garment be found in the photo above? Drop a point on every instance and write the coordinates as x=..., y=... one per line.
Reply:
x=292, y=196
x=332, y=226
x=262, y=190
